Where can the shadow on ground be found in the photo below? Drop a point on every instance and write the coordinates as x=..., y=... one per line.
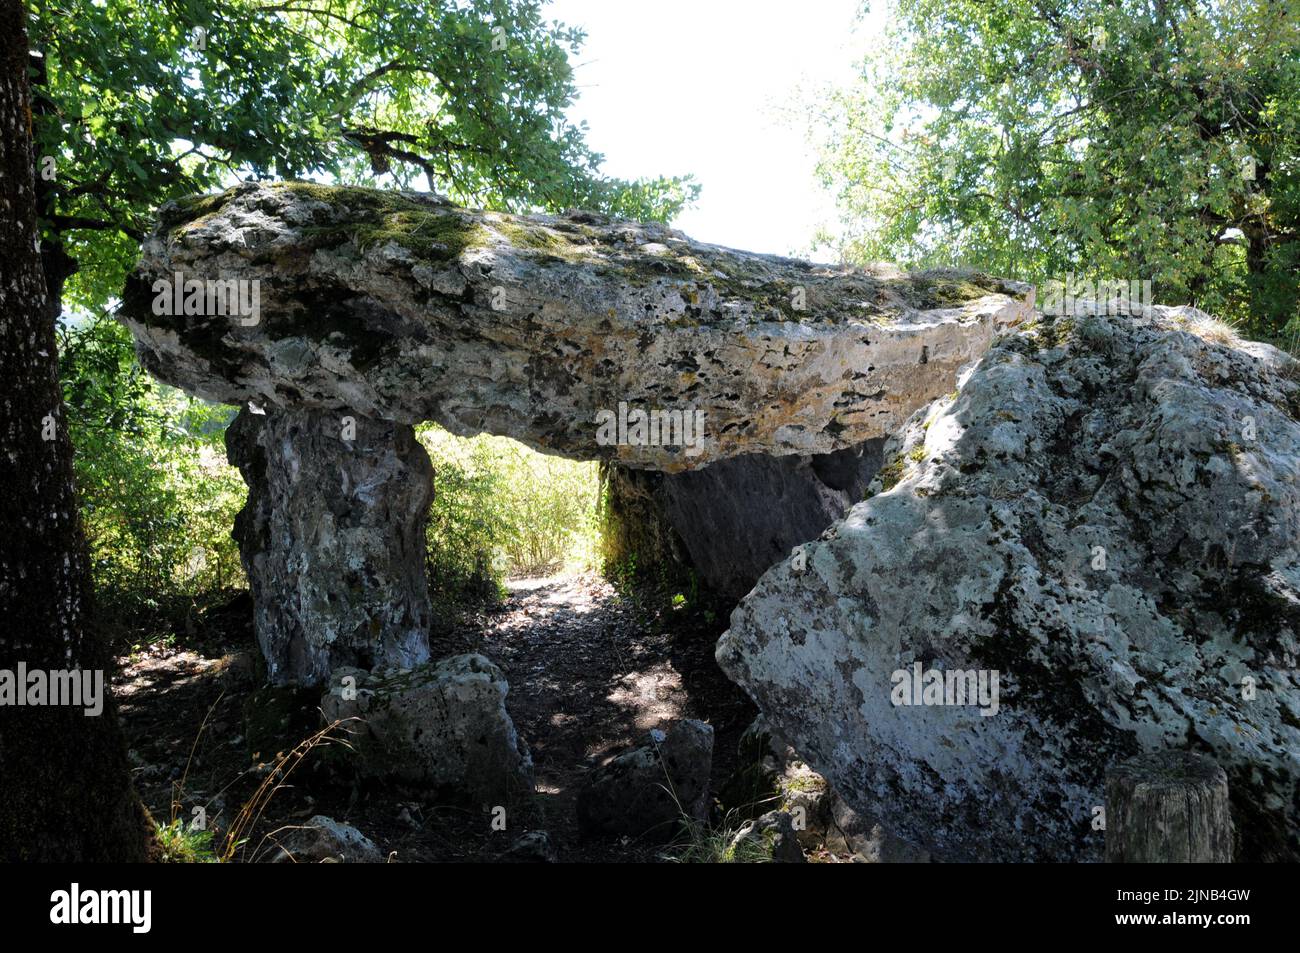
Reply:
x=591, y=671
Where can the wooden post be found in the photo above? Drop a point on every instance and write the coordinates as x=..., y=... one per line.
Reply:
x=1168, y=807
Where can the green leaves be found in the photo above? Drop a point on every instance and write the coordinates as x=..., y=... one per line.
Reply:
x=1037, y=139
x=500, y=508
x=467, y=99
x=157, y=496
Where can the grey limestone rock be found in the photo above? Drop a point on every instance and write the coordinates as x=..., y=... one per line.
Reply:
x=398, y=306
x=1106, y=517
x=442, y=727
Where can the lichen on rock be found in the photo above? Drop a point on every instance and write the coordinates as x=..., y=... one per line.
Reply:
x=1107, y=515
x=400, y=306
x=332, y=539
x=440, y=727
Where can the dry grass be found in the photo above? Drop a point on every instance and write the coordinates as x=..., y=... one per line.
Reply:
x=236, y=840
x=1209, y=329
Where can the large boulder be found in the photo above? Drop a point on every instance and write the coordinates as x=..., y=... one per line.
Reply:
x=649, y=790
x=1105, y=519
x=399, y=306
x=441, y=727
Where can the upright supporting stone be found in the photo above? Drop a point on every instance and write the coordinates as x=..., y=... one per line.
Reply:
x=332, y=539
x=1170, y=807
x=738, y=516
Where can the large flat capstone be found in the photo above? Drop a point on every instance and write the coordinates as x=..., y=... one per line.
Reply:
x=398, y=306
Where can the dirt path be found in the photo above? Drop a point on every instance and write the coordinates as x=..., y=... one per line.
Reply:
x=590, y=674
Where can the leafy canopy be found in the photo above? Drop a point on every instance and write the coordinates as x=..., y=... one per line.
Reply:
x=140, y=101
x=1121, y=139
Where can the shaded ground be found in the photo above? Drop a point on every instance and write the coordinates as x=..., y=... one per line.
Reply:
x=590, y=673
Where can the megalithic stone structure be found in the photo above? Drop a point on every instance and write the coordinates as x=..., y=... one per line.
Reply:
x=1090, y=553
x=315, y=303
x=332, y=539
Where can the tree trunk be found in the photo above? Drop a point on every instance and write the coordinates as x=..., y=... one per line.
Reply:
x=58, y=265
x=66, y=790
x=1168, y=807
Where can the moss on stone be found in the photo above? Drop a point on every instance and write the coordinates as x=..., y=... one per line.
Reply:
x=428, y=234
x=931, y=290
x=189, y=211
x=536, y=237
x=1052, y=331
x=367, y=217
x=735, y=278
x=891, y=473
x=802, y=784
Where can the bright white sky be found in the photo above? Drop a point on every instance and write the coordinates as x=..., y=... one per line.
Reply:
x=712, y=88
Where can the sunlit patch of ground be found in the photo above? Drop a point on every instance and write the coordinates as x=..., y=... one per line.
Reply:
x=590, y=673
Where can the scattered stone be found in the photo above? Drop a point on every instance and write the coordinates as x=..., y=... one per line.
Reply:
x=770, y=838
x=647, y=791
x=410, y=815
x=805, y=796
x=770, y=776
x=324, y=840
x=861, y=838
x=441, y=727
x=533, y=847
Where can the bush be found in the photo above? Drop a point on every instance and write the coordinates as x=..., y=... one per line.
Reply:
x=157, y=496
x=501, y=509
x=178, y=844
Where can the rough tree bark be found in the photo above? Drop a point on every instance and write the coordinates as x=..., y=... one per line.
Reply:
x=66, y=792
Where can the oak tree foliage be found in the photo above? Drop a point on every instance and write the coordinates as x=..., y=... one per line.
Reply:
x=1120, y=139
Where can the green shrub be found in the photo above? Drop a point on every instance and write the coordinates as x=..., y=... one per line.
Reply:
x=501, y=509
x=157, y=496
x=178, y=844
